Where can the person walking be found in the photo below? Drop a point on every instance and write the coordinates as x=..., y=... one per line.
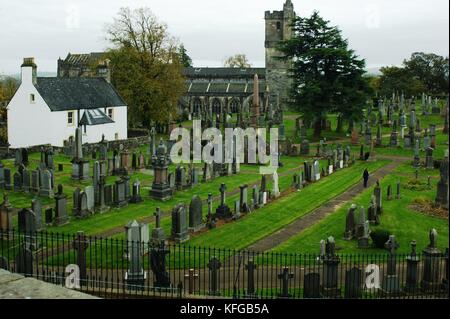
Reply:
x=365, y=177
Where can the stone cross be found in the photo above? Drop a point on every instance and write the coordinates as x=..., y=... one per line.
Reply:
x=391, y=245
x=191, y=276
x=284, y=276
x=80, y=244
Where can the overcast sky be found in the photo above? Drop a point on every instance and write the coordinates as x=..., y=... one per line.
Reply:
x=384, y=32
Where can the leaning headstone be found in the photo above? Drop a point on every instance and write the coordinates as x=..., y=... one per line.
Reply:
x=350, y=223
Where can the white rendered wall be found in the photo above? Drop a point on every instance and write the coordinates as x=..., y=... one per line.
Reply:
x=32, y=124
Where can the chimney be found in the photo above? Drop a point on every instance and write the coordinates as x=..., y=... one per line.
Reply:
x=29, y=71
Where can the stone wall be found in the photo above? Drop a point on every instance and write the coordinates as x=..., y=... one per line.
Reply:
x=15, y=286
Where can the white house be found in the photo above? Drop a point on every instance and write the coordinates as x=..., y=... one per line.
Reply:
x=46, y=110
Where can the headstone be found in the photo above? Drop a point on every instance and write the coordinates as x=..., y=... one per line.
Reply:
x=136, y=192
x=214, y=266
x=135, y=276
x=36, y=207
x=17, y=182
x=311, y=286
x=179, y=224
x=350, y=223
x=80, y=245
x=223, y=211
x=195, y=214
x=60, y=207
x=285, y=276
x=353, y=283
x=391, y=281
x=431, y=265
x=412, y=273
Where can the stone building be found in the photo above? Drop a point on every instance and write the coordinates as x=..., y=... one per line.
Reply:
x=217, y=90
x=94, y=64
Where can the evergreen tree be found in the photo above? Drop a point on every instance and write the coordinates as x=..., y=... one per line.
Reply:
x=327, y=75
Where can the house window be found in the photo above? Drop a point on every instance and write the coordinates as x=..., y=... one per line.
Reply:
x=278, y=26
x=111, y=113
x=116, y=136
x=70, y=118
x=32, y=99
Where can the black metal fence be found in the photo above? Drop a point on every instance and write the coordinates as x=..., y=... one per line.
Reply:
x=115, y=268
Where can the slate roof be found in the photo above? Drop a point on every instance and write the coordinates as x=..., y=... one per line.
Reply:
x=95, y=117
x=235, y=73
x=223, y=88
x=83, y=58
x=63, y=94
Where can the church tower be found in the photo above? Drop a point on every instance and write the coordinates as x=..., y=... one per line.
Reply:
x=278, y=29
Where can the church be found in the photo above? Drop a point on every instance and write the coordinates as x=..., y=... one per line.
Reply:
x=217, y=90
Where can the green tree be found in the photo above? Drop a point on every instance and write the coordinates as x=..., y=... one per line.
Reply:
x=327, y=75
x=431, y=69
x=237, y=61
x=397, y=79
x=184, y=57
x=146, y=67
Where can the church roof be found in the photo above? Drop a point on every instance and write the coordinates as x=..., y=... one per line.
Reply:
x=63, y=94
x=242, y=73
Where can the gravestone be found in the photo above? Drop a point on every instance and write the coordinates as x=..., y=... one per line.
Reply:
x=179, y=224
x=412, y=273
x=330, y=288
x=136, y=192
x=24, y=261
x=350, y=223
x=17, y=182
x=60, y=207
x=120, y=193
x=353, y=283
x=223, y=211
x=275, y=187
x=391, y=281
x=158, y=234
x=195, y=214
x=135, y=276
x=250, y=267
x=36, y=207
x=431, y=265
x=80, y=245
x=243, y=198
x=311, y=285
x=46, y=189
x=214, y=266
x=89, y=190
x=442, y=186
x=285, y=277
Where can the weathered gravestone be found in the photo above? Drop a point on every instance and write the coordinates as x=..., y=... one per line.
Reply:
x=195, y=214
x=179, y=224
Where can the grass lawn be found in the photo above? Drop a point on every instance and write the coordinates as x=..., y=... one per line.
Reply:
x=398, y=218
x=264, y=221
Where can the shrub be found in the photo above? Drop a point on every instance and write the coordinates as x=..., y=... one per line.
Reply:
x=379, y=237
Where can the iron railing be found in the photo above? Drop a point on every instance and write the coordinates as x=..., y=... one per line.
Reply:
x=115, y=268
